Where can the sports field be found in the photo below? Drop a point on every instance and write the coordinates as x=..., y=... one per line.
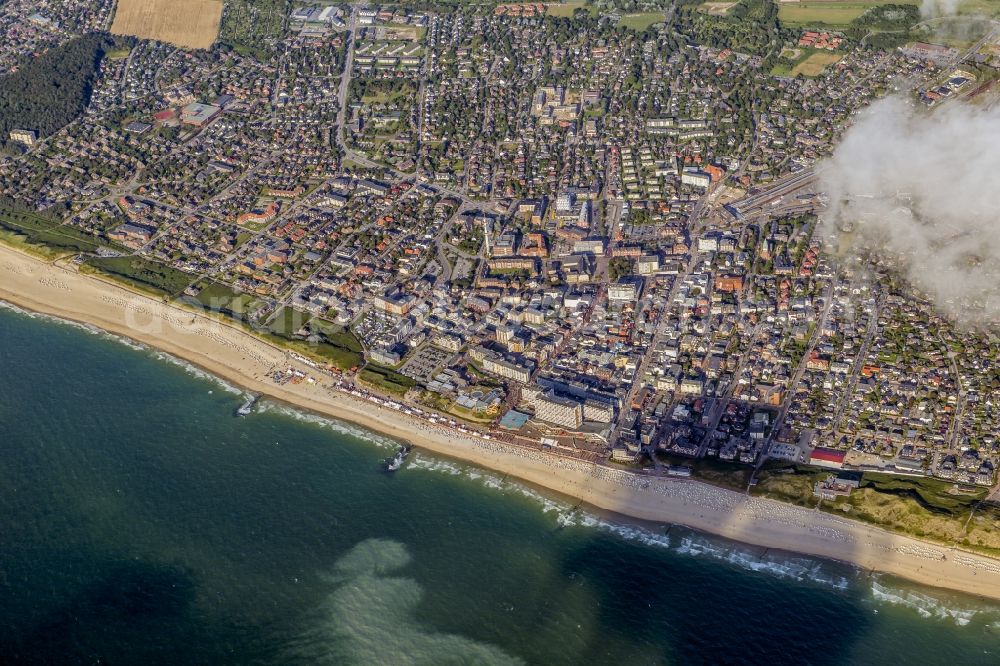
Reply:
x=640, y=22
x=192, y=24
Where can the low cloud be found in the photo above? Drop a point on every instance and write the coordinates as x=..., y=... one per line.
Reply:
x=918, y=189
x=937, y=8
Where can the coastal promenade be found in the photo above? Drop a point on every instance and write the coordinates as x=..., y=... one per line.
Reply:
x=241, y=358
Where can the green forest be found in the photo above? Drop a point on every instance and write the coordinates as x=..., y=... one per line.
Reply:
x=751, y=26
x=51, y=90
x=885, y=26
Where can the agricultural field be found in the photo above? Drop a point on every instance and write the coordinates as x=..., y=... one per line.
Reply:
x=192, y=24
x=832, y=13
x=981, y=7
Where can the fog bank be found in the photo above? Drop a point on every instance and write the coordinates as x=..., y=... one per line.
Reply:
x=936, y=8
x=919, y=188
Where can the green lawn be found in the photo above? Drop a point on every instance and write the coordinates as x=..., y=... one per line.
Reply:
x=324, y=352
x=713, y=8
x=336, y=335
x=255, y=227
x=640, y=22
x=790, y=58
x=566, y=9
x=812, y=65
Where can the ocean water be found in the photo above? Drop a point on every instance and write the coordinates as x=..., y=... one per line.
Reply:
x=142, y=523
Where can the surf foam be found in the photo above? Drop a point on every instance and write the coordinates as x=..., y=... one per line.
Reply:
x=928, y=606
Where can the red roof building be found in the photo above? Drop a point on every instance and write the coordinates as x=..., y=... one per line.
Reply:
x=825, y=457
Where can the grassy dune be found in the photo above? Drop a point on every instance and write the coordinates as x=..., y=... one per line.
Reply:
x=925, y=508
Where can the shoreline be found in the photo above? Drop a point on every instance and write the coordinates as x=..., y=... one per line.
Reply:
x=238, y=357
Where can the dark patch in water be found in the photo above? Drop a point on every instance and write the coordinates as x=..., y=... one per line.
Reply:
x=127, y=600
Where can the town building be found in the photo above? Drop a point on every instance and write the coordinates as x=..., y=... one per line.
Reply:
x=24, y=136
x=560, y=410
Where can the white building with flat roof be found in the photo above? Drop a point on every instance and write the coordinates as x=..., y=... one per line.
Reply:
x=25, y=136
x=552, y=408
x=622, y=292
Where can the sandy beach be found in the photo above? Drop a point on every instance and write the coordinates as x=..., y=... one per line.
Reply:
x=242, y=359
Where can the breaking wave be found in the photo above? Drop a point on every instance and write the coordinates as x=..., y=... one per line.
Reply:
x=493, y=481
x=190, y=368
x=690, y=543
x=780, y=564
x=195, y=371
x=931, y=607
x=82, y=326
x=339, y=427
